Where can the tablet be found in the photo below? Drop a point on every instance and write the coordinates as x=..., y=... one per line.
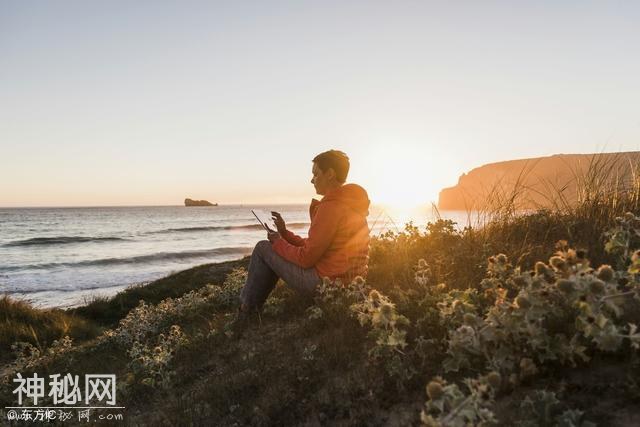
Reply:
x=264, y=218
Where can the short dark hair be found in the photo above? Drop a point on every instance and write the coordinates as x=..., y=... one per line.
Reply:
x=336, y=160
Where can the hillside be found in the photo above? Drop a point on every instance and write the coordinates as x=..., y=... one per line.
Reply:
x=539, y=182
x=530, y=320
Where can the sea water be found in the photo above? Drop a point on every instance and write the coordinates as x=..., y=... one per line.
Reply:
x=65, y=256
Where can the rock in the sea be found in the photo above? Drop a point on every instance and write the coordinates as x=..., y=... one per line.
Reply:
x=189, y=202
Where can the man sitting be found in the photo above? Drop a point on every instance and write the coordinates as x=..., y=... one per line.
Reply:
x=337, y=246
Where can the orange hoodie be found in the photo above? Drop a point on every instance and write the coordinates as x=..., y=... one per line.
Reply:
x=338, y=242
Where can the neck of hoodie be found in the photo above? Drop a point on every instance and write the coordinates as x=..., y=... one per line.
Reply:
x=351, y=195
x=332, y=192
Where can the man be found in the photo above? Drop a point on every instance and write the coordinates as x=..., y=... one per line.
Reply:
x=337, y=246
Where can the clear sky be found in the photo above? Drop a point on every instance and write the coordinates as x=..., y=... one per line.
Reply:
x=136, y=103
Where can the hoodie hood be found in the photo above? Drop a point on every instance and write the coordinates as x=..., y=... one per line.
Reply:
x=351, y=195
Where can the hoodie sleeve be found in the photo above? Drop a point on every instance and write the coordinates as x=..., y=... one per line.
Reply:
x=321, y=233
x=293, y=238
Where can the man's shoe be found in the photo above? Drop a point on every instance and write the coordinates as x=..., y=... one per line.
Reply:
x=240, y=323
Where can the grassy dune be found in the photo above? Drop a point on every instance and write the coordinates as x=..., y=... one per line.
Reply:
x=528, y=320
x=109, y=311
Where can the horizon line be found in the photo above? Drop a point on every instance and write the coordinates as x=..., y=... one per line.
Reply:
x=382, y=204
x=146, y=206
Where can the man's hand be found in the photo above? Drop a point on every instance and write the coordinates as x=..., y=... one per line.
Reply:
x=272, y=235
x=279, y=222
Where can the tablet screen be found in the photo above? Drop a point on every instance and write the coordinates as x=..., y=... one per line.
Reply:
x=264, y=218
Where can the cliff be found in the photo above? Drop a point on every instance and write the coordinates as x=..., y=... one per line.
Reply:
x=540, y=182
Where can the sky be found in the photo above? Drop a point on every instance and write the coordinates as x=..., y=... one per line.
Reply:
x=150, y=102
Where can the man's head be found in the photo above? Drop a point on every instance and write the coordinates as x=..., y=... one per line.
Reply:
x=329, y=171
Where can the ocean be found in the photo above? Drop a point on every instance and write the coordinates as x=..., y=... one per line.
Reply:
x=63, y=257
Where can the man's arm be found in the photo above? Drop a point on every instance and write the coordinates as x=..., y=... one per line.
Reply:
x=321, y=233
x=292, y=238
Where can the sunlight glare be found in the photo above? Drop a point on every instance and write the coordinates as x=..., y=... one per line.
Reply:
x=403, y=179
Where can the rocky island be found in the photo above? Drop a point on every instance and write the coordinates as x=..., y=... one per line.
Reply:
x=190, y=202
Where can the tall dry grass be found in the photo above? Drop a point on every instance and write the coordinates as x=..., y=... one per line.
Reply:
x=20, y=321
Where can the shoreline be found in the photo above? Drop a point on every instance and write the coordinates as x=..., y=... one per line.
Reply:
x=46, y=299
x=65, y=300
x=108, y=311
x=86, y=321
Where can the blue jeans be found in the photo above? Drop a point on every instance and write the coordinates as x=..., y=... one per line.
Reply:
x=266, y=267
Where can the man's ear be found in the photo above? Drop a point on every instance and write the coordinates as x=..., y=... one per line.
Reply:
x=331, y=174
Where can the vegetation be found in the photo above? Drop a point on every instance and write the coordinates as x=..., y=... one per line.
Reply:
x=531, y=319
x=20, y=322
x=109, y=311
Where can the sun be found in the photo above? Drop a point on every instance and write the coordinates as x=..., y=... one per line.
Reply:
x=401, y=180
x=399, y=196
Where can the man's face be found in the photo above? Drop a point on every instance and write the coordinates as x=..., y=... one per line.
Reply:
x=320, y=180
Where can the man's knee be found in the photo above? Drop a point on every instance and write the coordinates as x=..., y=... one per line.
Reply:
x=262, y=246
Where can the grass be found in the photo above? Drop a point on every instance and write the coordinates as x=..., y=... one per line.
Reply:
x=315, y=364
x=108, y=311
x=19, y=321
